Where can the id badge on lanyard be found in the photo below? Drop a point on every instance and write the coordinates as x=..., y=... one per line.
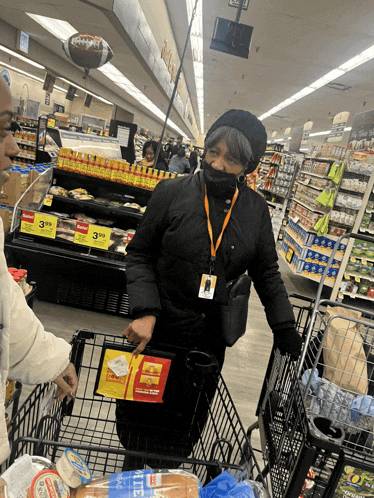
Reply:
x=209, y=281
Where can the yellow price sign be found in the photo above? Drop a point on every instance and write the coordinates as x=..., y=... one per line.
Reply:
x=40, y=224
x=92, y=235
x=357, y=279
x=346, y=276
x=48, y=200
x=352, y=260
x=364, y=262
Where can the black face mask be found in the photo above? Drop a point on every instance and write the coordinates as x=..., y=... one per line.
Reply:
x=219, y=183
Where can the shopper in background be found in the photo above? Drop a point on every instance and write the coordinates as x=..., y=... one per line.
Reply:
x=179, y=163
x=149, y=153
x=193, y=160
x=28, y=353
x=173, y=248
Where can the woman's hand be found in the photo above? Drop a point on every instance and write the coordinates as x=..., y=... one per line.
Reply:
x=67, y=383
x=140, y=332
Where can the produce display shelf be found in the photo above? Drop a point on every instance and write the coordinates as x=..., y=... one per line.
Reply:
x=362, y=257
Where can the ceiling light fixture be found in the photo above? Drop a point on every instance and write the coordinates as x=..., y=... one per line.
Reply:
x=60, y=29
x=356, y=61
x=21, y=57
x=196, y=40
x=63, y=30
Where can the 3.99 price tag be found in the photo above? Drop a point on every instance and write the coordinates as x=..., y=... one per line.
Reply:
x=38, y=224
x=92, y=235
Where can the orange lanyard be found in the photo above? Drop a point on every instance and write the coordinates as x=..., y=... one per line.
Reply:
x=213, y=250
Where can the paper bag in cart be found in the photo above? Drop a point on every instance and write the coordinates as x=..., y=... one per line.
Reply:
x=343, y=352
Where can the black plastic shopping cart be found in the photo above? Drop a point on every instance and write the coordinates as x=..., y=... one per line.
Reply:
x=88, y=424
x=316, y=416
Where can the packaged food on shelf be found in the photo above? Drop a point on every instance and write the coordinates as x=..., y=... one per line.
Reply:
x=55, y=190
x=83, y=217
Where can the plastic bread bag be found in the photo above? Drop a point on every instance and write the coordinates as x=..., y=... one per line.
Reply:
x=138, y=483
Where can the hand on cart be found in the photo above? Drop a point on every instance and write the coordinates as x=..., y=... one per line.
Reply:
x=140, y=332
x=67, y=383
x=288, y=341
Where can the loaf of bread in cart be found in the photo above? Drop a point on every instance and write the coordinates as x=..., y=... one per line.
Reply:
x=138, y=483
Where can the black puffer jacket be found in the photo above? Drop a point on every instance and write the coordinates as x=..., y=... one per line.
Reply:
x=171, y=251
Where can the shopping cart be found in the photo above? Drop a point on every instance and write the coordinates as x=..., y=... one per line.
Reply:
x=312, y=428
x=88, y=425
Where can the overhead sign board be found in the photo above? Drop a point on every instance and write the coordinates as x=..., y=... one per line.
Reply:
x=24, y=42
x=236, y=3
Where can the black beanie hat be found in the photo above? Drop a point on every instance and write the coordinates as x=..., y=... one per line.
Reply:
x=250, y=126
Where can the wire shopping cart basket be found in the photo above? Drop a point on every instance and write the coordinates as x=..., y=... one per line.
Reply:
x=88, y=425
x=316, y=417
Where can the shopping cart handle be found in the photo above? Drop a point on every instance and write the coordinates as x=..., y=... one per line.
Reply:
x=366, y=238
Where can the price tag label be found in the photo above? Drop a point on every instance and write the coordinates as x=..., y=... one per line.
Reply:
x=92, y=235
x=346, y=276
x=340, y=295
x=38, y=224
x=364, y=262
x=357, y=279
x=48, y=200
x=352, y=260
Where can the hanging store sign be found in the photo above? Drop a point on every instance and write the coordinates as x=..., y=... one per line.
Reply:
x=295, y=142
x=337, y=128
x=38, y=224
x=24, y=39
x=306, y=132
x=92, y=235
x=236, y=3
x=168, y=59
x=362, y=132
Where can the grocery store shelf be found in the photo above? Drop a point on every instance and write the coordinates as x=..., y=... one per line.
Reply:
x=275, y=204
x=322, y=159
x=101, y=208
x=25, y=142
x=26, y=156
x=304, y=204
x=365, y=230
x=363, y=277
x=359, y=296
x=320, y=189
x=327, y=252
x=313, y=174
x=76, y=253
x=310, y=277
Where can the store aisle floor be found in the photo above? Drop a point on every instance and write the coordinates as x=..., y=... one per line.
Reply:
x=245, y=364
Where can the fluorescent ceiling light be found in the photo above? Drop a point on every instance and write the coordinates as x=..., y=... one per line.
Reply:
x=356, y=61
x=24, y=59
x=22, y=72
x=60, y=29
x=63, y=30
x=196, y=40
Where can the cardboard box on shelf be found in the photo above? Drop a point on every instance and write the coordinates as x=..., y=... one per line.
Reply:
x=4, y=215
x=12, y=190
x=63, y=118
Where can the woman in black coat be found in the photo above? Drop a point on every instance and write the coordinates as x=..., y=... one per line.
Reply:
x=173, y=249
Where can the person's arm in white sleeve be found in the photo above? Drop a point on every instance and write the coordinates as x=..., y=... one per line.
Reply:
x=35, y=356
